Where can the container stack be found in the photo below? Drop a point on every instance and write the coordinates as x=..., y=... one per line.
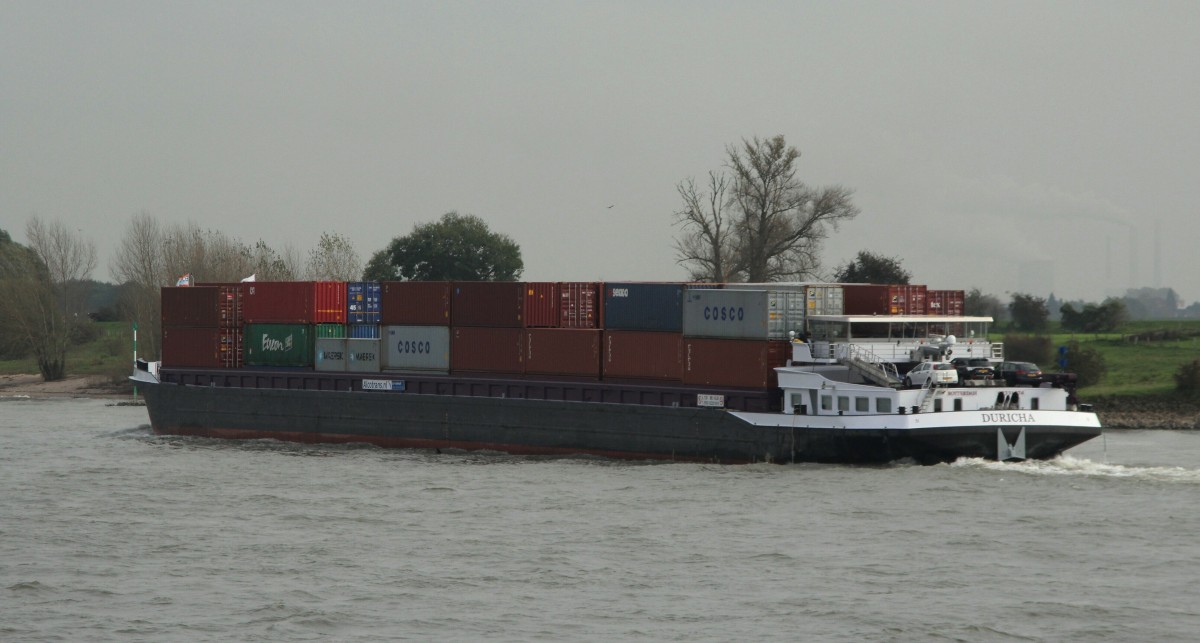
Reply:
x=202, y=326
x=947, y=302
x=415, y=326
x=736, y=337
x=561, y=337
x=885, y=299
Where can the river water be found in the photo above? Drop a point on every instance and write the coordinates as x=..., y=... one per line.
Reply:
x=108, y=532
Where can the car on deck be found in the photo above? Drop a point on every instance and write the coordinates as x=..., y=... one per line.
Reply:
x=1015, y=373
x=938, y=372
x=974, y=368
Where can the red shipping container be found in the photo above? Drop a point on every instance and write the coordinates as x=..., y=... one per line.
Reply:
x=541, y=304
x=329, y=302
x=884, y=299
x=562, y=351
x=229, y=303
x=190, y=307
x=230, y=352
x=414, y=303
x=192, y=347
x=278, y=302
x=487, y=350
x=741, y=363
x=579, y=305
x=642, y=355
x=496, y=304
x=946, y=302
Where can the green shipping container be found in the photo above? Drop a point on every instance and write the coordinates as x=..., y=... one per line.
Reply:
x=331, y=331
x=278, y=345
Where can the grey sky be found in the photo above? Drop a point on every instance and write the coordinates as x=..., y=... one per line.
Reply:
x=1009, y=146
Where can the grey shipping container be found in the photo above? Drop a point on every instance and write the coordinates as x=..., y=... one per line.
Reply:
x=643, y=306
x=363, y=355
x=330, y=354
x=416, y=348
x=743, y=314
x=824, y=299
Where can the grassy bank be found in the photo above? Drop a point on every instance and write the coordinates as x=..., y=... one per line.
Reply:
x=109, y=354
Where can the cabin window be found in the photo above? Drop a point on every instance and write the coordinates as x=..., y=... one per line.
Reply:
x=883, y=405
x=862, y=404
x=843, y=403
x=1034, y=403
x=798, y=405
x=826, y=402
x=958, y=404
x=937, y=405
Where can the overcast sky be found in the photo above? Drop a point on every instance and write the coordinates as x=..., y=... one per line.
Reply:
x=1015, y=147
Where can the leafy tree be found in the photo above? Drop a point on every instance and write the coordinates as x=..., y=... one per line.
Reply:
x=1029, y=312
x=979, y=304
x=1087, y=364
x=1028, y=348
x=1093, y=318
x=457, y=247
x=759, y=222
x=870, y=268
x=334, y=259
x=1187, y=378
x=380, y=268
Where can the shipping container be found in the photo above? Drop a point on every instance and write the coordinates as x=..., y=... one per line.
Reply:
x=824, y=299
x=415, y=303
x=229, y=302
x=741, y=363
x=329, y=302
x=363, y=355
x=330, y=354
x=363, y=331
x=278, y=302
x=579, y=304
x=946, y=302
x=643, y=306
x=192, y=347
x=743, y=314
x=330, y=331
x=416, y=348
x=494, y=304
x=278, y=345
x=541, y=308
x=190, y=307
x=231, y=348
x=884, y=299
x=562, y=351
x=487, y=350
x=362, y=302
x=642, y=355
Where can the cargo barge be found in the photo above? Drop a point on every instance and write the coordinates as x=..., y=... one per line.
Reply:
x=646, y=371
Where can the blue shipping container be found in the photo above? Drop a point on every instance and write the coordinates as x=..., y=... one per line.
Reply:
x=643, y=306
x=363, y=331
x=362, y=303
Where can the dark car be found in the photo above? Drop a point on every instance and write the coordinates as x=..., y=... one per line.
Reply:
x=1014, y=373
x=974, y=368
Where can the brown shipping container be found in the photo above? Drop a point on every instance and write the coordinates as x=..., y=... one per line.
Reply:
x=542, y=304
x=487, y=350
x=190, y=307
x=194, y=347
x=884, y=299
x=742, y=363
x=562, y=351
x=642, y=355
x=329, y=302
x=414, y=303
x=579, y=304
x=496, y=304
x=229, y=302
x=946, y=302
x=278, y=302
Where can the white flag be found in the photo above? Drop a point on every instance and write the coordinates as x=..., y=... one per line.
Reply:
x=250, y=278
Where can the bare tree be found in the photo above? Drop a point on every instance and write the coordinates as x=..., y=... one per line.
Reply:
x=139, y=263
x=777, y=222
x=334, y=259
x=708, y=241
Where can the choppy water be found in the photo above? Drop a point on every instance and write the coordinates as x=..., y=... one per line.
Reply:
x=110, y=533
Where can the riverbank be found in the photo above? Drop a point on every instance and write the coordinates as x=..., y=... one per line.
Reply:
x=89, y=386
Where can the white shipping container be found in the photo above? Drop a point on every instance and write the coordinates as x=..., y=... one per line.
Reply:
x=362, y=355
x=416, y=348
x=330, y=354
x=743, y=314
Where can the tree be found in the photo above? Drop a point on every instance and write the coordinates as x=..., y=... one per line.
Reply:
x=1029, y=312
x=457, y=247
x=1087, y=363
x=979, y=304
x=380, y=267
x=1093, y=318
x=870, y=268
x=759, y=223
x=334, y=259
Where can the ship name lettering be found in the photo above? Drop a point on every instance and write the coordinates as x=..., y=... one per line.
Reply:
x=1009, y=417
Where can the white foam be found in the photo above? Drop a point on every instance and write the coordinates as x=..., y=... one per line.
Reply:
x=1070, y=466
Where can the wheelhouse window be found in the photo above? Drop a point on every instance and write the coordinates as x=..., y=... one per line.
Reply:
x=843, y=403
x=826, y=402
x=798, y=404
x=883, y=405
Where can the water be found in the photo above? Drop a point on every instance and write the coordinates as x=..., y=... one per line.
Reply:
x=108, y=532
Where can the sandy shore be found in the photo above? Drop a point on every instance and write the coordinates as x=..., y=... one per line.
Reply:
x=93, y=386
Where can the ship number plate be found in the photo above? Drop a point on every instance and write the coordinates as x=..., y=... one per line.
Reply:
x=714, y=401
x=383, y=385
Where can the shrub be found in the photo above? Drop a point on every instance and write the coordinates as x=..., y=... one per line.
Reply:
x=1187, y=378
x=83, y=331
x=1027, y=348
x=1086, y=363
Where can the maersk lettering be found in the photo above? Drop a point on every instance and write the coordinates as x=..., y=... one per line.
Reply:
x=274, y=345
x=724, y=313
x=1010, y=418
x=334, y=355
x=362, y=357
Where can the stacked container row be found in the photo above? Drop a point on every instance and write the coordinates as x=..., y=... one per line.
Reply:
x=876, y=299
x=202, y=326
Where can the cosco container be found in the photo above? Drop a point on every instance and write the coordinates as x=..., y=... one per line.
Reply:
x=416, y=348
x=190, y=307
x=487, y=350
x=541, y=307
x=329, y=302
x=642, y=355
x=495, y=304
x=415, y=303
x=739, y=363
x=330, y=331
x=881, y=299
x=362, y=302
x=363, y=355
x=362, y=331
x=946, y=302
x=643, y=306
x=579, y=304
x=194, y=347
x=278, y=345
x=278, y=302
x=330, y=354
x=562, y=351
x=743, y=314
